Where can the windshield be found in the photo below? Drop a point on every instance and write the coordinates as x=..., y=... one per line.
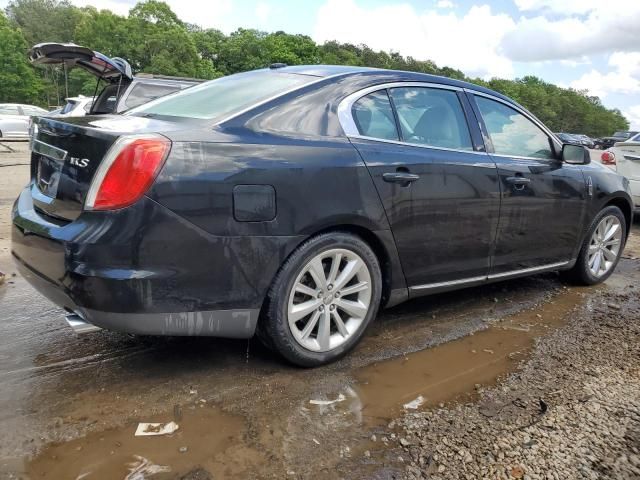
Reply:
x=223, y=96
x=621, y=134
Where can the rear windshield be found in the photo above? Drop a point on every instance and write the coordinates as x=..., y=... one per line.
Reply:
x=71, y=104
x=223, y=96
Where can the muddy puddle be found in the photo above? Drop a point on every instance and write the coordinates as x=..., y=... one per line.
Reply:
x=454, y=370
x=324, y=425
x=207, y=440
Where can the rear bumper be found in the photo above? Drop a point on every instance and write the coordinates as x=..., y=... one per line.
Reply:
x=145, y=270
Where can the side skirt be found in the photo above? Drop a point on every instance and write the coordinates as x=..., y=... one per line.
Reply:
x=428, y=289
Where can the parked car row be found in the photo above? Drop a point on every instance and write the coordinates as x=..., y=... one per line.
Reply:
x=576, y=139
x=608, y=142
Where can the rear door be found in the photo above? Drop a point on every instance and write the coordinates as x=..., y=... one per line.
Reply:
x=543, y=199
x=440, y=193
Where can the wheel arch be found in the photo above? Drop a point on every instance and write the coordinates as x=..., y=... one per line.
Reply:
x=394, y=287
x=627, y=210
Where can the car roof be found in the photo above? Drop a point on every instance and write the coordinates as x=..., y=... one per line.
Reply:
x=393, y=75
x=20, y=105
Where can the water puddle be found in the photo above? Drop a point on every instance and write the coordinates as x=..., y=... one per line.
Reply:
x=207, y=439
x=453, y=370
x=227, y=446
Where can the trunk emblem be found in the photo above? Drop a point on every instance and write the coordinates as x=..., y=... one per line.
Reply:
x=79, y=162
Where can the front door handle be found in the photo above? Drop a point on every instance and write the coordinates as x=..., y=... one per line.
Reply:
x=400, y=177
x=520, y=181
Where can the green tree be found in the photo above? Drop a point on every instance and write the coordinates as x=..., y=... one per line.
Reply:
x=44, y=20
x=18, y=81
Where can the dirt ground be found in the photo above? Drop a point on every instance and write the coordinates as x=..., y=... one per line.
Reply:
x=475, y=363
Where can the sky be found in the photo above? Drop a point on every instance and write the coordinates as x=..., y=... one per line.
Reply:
x=589, y=45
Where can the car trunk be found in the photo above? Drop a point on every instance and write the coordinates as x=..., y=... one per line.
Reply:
x=66, y=155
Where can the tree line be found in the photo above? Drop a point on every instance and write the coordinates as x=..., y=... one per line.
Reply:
x=154, y=40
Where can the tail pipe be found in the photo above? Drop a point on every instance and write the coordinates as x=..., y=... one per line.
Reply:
x=79, y=324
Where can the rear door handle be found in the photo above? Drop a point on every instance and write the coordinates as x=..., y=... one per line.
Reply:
x=400, y=177
x=518, y=180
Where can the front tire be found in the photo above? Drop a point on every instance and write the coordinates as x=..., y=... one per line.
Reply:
x=601, y=249
x=322, y=300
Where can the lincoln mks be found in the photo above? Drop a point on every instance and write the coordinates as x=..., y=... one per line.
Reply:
x=294, y=202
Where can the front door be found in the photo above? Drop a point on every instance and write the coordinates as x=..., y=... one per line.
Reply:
x=543, y=199
x=441, y=196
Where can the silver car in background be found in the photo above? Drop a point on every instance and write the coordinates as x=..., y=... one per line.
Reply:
x=75, y=107
x=14, y=119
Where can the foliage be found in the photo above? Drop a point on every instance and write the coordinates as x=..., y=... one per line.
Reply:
x=154, y=40
x=18, y=81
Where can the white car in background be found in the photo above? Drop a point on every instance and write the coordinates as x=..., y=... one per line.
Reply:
x=14, y=119
x=625, y=158
x=75, y=107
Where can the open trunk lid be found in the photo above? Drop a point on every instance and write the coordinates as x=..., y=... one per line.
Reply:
x=66, y=154
x=70, y=54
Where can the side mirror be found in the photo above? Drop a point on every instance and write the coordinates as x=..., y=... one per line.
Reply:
x=575, y=154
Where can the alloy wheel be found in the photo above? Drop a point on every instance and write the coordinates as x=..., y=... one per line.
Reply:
x=329, y=300
x=605, y=245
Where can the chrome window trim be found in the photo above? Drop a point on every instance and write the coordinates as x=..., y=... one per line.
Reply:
x=518, y=157
x=49, y=151
x=497, y=276
x=522, y=111
x=344, y=107
x=419, y=145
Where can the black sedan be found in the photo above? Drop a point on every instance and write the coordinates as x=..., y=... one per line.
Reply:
x=295, y=202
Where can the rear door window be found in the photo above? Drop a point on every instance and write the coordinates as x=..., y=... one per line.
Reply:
x=513, y=134
x=373, y=116
x=144, y=92
x=9, y=110
x=432, y=117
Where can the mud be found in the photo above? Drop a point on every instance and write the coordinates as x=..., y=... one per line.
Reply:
x=117, y=453
x=67, y=402
x=454, y=370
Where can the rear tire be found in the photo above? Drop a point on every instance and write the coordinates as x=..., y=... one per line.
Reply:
x=601, y=249
x=322, y=300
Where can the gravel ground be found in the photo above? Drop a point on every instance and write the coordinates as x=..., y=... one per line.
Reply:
x=571, y=411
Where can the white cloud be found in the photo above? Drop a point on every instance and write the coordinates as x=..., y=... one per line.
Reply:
x=603, y=30
x=633, y=115
x=623, y=78
x=441, y=37
x=263, y=10
x=445, y=4
x=626, y=62
x=569, y=6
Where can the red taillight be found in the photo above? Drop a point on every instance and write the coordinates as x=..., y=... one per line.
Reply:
x=127, y=171
x=608, y=158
